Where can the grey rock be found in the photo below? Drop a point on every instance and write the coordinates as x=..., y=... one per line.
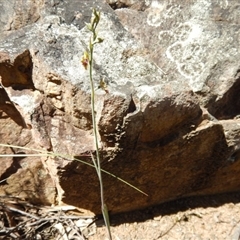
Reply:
x=197, y=42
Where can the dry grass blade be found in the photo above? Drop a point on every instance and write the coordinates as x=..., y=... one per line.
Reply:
x=66, y=157
x=21, y=220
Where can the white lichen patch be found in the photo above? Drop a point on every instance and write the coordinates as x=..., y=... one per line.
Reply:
x=190, y=42
x=27, y=102
x=146, y=90
x=187, y=52
x=154, y=17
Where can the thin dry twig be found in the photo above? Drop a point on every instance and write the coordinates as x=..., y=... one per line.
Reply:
x=35, y=220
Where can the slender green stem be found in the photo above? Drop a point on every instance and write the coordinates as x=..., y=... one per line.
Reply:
x=98, y=160
x=94, y=123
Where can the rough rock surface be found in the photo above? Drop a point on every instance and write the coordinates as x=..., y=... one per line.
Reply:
x=168, y=124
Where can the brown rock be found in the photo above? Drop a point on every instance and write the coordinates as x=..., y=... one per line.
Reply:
x=168, y=124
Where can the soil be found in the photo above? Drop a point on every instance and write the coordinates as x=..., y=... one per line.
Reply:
x=195, y=218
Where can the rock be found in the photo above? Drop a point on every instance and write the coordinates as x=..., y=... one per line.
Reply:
x=191, y=41
x=167, y=124
x=15, y=15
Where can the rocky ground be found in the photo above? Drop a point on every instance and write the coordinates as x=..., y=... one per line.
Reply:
x=196, y=218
